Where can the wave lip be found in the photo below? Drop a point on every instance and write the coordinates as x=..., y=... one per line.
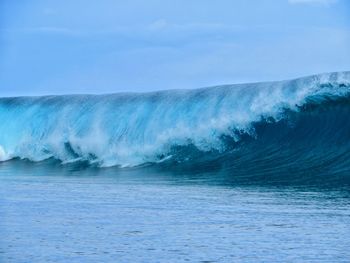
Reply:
x=2, y=154
x=130, y=129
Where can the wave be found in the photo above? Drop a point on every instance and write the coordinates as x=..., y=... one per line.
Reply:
x=300, y=124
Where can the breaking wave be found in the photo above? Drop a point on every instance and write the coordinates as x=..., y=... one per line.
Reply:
x=300, y=124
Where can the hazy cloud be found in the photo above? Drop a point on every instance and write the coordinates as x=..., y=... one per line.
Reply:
x=322, y=2
x=141, y=45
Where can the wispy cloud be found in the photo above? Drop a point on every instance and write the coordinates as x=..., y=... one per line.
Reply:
x=42, y=30
x=322, y=2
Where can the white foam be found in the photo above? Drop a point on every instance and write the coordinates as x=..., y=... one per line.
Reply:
x=131, y=129
x=2, y=154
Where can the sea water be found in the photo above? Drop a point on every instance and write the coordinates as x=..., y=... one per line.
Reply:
x=239, y=173
x=67, y=214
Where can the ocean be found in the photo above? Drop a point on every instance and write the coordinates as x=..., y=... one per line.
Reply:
x=237, y=173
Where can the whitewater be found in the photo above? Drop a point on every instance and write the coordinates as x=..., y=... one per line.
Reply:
x=130, y=129
x=234, y=173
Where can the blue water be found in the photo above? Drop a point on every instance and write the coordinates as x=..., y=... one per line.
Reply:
x=64, y=214
x=132, y=129
x=239, y=173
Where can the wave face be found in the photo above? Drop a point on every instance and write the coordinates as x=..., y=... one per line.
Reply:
x=270, y=125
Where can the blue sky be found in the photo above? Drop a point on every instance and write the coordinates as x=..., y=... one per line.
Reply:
x=106, y=46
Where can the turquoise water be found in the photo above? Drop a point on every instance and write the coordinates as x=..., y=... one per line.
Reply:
x=239, y=173
x=55, y=213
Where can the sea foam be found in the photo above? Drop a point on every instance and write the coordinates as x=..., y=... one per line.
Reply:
x=129, y=129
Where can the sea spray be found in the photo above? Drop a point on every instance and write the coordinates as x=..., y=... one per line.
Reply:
x=2, y=154
x=129, y=129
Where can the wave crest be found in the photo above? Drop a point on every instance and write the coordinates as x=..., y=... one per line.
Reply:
x=130, y=129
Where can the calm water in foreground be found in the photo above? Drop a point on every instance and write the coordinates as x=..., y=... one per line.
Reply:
x=50, y=213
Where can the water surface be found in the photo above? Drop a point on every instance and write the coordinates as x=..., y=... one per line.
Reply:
x=55, y=213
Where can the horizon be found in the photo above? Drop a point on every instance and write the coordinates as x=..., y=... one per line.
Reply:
x=198, y=88
x=181, y=131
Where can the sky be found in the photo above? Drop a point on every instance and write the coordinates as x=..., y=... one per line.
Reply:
x=108, y=46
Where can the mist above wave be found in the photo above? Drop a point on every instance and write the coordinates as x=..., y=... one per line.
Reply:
x=129, y=129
